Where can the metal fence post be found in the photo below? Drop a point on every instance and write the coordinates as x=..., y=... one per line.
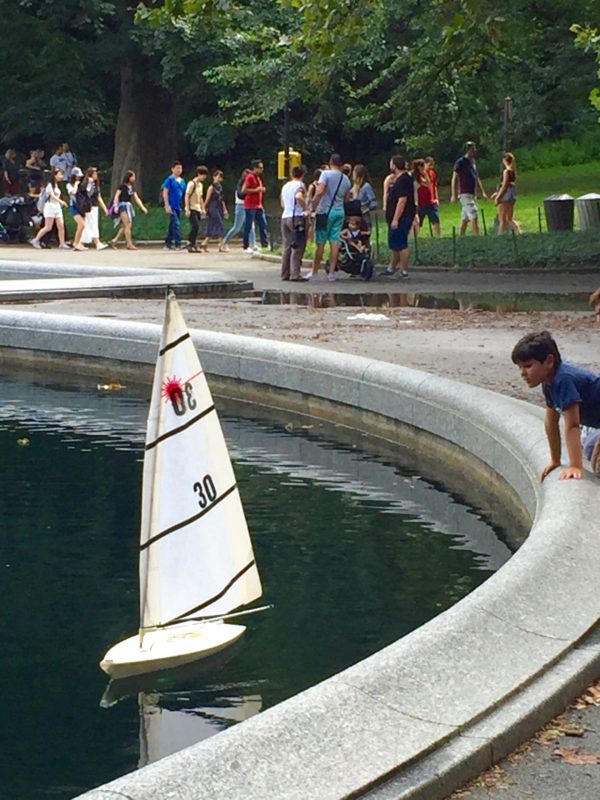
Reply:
x=483, y=221
x=540, y=219
x=454, y=264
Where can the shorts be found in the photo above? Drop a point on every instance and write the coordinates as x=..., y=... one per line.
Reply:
x=468, y=207
x=509, y=196
x=52, y=211
x=331, y=233
x=432, y=212
x=73, y=210
x=398, y=238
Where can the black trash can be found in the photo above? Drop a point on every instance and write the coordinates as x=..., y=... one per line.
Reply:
x=588, y=206
x=560, y=211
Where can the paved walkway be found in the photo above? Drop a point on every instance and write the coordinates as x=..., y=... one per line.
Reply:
x=265, y=274
x=473, y=347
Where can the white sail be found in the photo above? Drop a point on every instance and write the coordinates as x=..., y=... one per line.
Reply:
x=196, y=557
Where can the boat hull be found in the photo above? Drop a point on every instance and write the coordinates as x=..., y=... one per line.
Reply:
x=168, y=648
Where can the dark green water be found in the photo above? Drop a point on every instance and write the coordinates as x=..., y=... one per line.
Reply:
x=354, y=552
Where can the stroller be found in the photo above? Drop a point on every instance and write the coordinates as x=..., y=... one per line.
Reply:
x=355, y=257
x=15, y=217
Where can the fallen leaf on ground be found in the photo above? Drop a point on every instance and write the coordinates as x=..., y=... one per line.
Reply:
x=575, y=756
x=591, y=697
x=110, y=387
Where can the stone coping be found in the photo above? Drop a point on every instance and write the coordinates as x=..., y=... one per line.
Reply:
x=392, y=724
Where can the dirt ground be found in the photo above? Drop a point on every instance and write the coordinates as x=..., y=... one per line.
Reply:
x=470, y=346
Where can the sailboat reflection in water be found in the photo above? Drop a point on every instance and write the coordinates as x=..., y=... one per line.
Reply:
x=196, y=562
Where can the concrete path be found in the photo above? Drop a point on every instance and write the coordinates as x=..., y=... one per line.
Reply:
x=265, y=274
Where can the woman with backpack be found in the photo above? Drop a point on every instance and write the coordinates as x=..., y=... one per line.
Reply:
x=238, y=220
x=52, y=206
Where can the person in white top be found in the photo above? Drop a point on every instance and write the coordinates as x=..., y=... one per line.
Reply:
x=293, y=225
x=52, y=211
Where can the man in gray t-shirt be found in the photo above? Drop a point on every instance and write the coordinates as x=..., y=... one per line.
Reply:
x=337, y=186
x=333, y=190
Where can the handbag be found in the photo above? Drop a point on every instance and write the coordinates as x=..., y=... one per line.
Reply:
x=321, y=219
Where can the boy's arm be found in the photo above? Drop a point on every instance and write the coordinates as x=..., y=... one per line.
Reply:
x=553, y=435
x=573, y=439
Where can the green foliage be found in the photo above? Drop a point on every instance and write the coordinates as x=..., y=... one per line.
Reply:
x=587, y=38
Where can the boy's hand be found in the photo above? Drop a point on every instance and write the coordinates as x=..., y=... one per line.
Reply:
x=571, y=472
x=548, y=469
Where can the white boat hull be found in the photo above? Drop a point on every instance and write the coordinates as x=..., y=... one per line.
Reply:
x=168, y=648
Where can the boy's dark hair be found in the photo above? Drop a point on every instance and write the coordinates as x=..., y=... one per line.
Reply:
x=336, y=160
x=399, y=162
x=176, y=164
x=298, y=172
x=256, y=162
x=535, y=347
x=201, y=170
x=595, y=298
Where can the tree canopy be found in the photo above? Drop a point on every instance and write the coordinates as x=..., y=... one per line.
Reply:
x=210, y=79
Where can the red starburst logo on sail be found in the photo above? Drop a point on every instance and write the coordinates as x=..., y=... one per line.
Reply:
x=172, y=389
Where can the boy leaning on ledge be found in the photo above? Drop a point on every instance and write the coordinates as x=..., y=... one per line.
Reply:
x=568, y=390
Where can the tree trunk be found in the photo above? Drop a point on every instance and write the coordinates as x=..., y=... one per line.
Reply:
x=146, y=136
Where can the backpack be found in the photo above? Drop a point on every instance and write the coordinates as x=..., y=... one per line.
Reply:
x=42, y=199
x=239, y=189
x=83, y=202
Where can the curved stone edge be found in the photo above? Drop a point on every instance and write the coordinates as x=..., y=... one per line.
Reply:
x=425, y=697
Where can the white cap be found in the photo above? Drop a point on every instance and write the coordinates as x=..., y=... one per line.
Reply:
x=77, y=172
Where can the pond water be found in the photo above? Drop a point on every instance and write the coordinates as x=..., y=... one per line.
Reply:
x=354, y=551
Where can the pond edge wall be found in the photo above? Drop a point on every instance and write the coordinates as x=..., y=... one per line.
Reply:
x=422, y=715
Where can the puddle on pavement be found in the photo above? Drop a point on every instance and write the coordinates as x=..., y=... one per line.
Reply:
x=487, y=301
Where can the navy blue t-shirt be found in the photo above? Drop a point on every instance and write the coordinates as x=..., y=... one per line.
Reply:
x=467, y=175
x=573, y=384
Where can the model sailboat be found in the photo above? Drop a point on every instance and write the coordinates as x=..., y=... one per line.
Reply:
x=196, y=560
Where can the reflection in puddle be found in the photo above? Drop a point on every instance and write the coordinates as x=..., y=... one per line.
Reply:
x=459, y=301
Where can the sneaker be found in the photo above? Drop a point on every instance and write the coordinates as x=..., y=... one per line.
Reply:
x=36, y=244
x=250, y=251
x=310, y=276
x=167, y=247
x=389, y=271
x=331, y=276
x=101, y=246
x=64, y=246
x=255, y=248
x=404, y=273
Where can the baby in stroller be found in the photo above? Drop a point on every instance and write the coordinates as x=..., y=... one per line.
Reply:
x=355, y=250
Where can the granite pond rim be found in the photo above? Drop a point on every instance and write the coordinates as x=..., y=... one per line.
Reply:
x=385, y=719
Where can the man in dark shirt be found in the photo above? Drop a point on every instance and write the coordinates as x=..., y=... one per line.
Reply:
x=400, y=215
x=466, y=176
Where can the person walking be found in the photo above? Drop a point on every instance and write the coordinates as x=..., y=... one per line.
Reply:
x=466, y=178
x=333, y=190
x=194, y=205
x=427, y=206
x=239, y=217
x=506, y=196
x=293, y=225
x=253, y=191
x=77, y=213
x=123, y=201
x=52, y=210
x=173, y=190
x=91, y=230
x=362, y=190
x=400, y=215
x=216, y=211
